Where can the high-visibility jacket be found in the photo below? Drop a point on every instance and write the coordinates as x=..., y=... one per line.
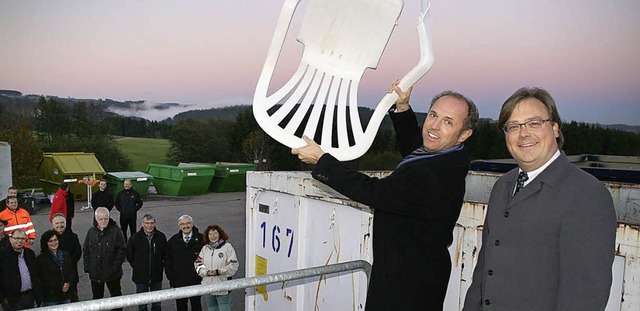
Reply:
x=18, y=219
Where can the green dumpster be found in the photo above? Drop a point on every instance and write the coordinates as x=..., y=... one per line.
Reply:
x=140, y=182
x=228, y=177
x=73, y=168
x=231, y=177
x=181, y=181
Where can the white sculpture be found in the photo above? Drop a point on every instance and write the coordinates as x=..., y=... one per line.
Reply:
x=341, y=39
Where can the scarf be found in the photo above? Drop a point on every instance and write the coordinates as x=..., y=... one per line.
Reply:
x=215, y=245
x=422, y=153
x=58, y=258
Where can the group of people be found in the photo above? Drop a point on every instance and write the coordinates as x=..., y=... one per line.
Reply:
x=47, y=279
x=187, y=257
x=548, y=238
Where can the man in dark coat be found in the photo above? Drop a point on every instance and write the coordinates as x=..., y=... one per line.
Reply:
x=128, y=202
x=146, y=253
x=104, y=253
x=416, y=207
x=182, y=250
x=19, y=288
x=102, y=197
x=549, y=236
x=70, y=243
x=71, y=208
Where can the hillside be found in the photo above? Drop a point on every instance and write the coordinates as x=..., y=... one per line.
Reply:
x=27, y=104
x=16, y=102
x=144, y=151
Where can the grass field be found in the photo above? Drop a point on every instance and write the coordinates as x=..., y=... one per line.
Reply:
x=143, y=151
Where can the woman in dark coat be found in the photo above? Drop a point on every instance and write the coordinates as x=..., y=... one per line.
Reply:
x=56, y=270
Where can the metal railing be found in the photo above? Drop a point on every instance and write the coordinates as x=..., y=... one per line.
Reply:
x=197, y=290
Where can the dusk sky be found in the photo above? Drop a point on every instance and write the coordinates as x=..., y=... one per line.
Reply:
x=210, y=53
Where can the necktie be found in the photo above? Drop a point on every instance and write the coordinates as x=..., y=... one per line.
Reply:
x=186, y=239
x=522, y=177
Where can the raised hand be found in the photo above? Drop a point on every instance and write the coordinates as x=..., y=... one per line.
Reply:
x=310, y=153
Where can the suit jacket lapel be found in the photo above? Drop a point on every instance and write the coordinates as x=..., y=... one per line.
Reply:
x=549, y=176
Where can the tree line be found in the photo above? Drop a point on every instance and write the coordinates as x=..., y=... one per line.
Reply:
x=59, y=127
x=54, y=126
x=244, y=141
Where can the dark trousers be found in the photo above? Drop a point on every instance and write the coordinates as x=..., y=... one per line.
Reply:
x=97, y=288
x=128, y=221
x=73, y=293
x=182, y=304
x=149, y=287
x=24, y=301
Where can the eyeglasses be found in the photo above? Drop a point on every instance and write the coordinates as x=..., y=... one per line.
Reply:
x=531, y=125
x=18, y=239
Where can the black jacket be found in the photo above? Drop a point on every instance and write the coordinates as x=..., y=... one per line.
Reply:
x=415, y=211
x=10, y=280
x=180, y=258
x=102, y=199
x=71, y=204
x=70, y=243
x=128, y=202
x=104, y=252
x=4, y=242
x=52, y=276
x=147, y=257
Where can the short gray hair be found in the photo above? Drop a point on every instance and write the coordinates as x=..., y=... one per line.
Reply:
x=185, y=217
x=148, y=217
x=101, y=210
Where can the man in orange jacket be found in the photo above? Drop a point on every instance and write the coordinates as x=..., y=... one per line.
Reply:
x=18, y=218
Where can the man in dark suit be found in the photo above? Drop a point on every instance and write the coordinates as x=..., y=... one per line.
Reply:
x=182, y=250
x=416, y=207
x=549, y=234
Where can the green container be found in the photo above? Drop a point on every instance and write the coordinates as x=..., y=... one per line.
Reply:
x=140, y=182
x=231, y=177
x=181, y=181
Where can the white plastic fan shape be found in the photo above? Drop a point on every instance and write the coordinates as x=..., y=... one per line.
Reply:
x=341, y=39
